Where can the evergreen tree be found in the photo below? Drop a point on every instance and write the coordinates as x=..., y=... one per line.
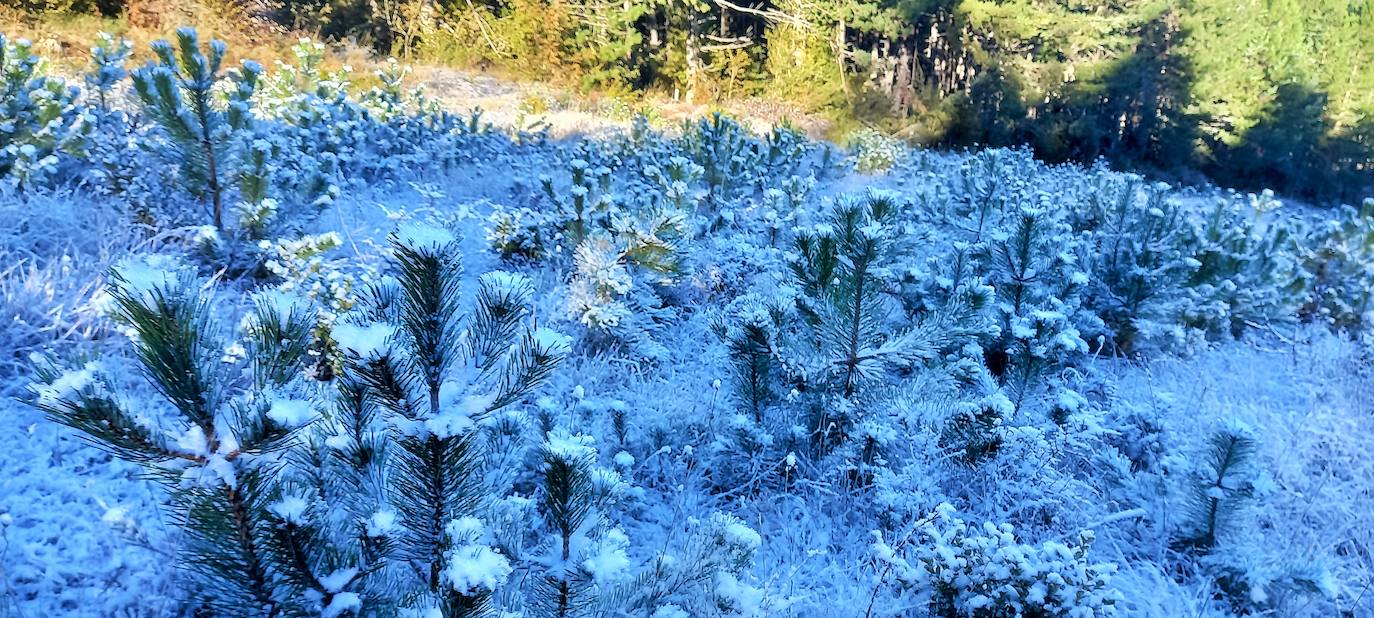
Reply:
x=437, y=375
x=178, y=91
x=248, y=540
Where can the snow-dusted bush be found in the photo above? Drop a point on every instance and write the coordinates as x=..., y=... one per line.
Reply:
x=38, y=116
x=874, y=152
x=959, y=569
x=1338, y=270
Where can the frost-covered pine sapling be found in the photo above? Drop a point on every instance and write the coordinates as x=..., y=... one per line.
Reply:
x=1338, y=271
x=612, y=290
x=1032, y=267
x=436, y=376
x=587, y=204
x=787, y=147
x=845, y=270
x=728, y=155
x=1221, y=487
x=216, y=447
x=37, y=115
x=108, y=57
x=1247, y=269
x=675, y=182
x=178, y=91
x=581, y=553
x=708, y=577
x=749, y=339
x=1138, y=264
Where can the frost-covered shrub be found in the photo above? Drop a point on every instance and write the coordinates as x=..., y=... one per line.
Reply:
x=873, y=152
x=957, y=569
x=1246, y=271
x=1338, y=270
x=38, y=116
x=1138, y=262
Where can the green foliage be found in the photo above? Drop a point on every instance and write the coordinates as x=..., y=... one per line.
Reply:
x=1272, y=96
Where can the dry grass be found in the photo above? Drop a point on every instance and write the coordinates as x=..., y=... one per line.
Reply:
x=65, y=39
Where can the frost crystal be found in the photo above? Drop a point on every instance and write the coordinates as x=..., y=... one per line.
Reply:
x=472, y=566
x=610, y=562
x=342, y=603
x=516, y=285
x=552, y=341
x=142, y=277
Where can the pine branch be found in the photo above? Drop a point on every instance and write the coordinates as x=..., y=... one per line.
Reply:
x=177, y=345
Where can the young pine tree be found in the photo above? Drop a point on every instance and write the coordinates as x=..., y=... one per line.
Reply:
x=178, y=91
x=1222, y=486
x=436, y=375
x=37, y=117
x=1032, y=266
x=253, y=545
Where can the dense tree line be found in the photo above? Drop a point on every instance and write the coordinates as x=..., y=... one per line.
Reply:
x=1255, y=93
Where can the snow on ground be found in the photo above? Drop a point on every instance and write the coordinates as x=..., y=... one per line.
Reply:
x=81, y=534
